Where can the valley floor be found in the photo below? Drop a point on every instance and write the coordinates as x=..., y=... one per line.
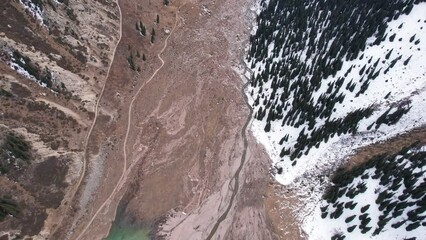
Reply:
x=178, y=123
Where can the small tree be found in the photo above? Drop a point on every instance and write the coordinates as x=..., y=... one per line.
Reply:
x=268, y=127
x=142, y=28
x=131, y=62
x=158, y=19
x=152, y=35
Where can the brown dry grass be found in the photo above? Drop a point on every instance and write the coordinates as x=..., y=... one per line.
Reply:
x=390, y=146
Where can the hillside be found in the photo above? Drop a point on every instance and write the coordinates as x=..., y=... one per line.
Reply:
x=383, y=198
x=46, y=42
x=53, y=60
x=323, y=81
x=327, y=79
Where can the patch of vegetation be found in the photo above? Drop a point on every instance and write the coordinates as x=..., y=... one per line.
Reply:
x=13, y=152
x=392, y=115
x=44, y=76
x=38, y=3
x=71, y=14
x=52, y=5
x=8, y=207
x=306, y=141
x=141, y=28
x=66, y=2
x=79, y=55
x=131, y=62
x=5, y=93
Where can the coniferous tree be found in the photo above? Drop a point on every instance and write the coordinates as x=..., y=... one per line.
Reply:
x=142, y=28
x=152, y=35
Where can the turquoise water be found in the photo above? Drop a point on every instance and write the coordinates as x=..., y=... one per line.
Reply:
x=121, y=233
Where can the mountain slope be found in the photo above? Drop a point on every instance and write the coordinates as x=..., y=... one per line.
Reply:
x=53, y=60
x=330, y=77
x=327, y=80
x=383, y=198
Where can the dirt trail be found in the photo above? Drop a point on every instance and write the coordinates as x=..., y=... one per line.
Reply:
x=85, y=160
x=126, y=171
x=97, y=105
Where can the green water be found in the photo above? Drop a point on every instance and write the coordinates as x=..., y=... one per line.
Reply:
x=119, y=233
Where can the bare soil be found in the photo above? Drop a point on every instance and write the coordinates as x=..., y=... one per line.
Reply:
x=185, y=141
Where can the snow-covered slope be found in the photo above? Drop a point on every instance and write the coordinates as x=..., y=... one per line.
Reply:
x=329, y=77
x=385, y=198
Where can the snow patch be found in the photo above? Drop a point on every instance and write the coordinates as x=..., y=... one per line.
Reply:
x=33, y=9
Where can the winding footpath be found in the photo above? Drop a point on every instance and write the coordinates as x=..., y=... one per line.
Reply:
x=97, y=103
x=125, y=172
x=236, y=176
x=86, y=144
x=80, y=181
